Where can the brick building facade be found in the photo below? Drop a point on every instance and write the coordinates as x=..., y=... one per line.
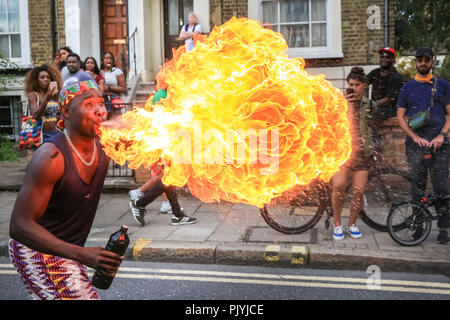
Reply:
x=350, y=41
x=40, y=20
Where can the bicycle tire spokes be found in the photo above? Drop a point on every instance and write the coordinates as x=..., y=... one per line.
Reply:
x=409, y=224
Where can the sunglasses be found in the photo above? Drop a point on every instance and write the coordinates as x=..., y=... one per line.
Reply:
x=386, y=56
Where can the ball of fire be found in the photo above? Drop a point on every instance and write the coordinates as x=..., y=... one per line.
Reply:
x=242, y=122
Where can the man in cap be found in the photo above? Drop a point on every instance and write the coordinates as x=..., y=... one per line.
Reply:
x=427, y=147
x=57, y=202
x=386, y=83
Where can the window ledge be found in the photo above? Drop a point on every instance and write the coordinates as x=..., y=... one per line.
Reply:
x=17, y=66
x=315, y=55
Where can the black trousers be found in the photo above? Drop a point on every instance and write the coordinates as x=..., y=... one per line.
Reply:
x=158, y=189
x=437, y=166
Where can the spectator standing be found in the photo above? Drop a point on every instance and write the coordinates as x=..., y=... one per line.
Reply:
x=91, y=67
x=386, y=83
x=60, y=60
x=188, y=31
x=75, y=73
x=42, y=85
x=427, y=147
x=115, y=84
x=360, y=113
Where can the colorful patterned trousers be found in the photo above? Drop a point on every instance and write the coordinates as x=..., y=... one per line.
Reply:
x=48, y=277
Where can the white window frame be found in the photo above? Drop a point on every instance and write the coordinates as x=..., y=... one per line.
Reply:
x=25, y=60
x=334, y=38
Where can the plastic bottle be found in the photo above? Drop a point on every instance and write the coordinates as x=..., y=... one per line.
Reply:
x=118, y=243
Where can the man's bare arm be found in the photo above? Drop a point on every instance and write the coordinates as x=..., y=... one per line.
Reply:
x=44, y=170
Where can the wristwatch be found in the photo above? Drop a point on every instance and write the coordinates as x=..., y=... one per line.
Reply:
x=442, y=133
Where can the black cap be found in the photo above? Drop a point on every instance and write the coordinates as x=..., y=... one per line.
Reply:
x=427, y=52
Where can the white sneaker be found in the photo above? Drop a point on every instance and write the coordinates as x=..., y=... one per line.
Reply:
x=338, y=233
x=166, y=208
x=354, y=232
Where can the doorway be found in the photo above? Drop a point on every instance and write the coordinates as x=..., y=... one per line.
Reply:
x=114, y=29
x=175, y=16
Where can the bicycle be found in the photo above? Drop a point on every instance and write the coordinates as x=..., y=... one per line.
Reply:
x=409, y=224
x=299, y=210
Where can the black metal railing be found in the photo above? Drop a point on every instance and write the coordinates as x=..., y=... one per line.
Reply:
x=115, y=170
x=125, y=58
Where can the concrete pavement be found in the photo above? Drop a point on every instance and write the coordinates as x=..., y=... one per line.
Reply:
x=230, y=233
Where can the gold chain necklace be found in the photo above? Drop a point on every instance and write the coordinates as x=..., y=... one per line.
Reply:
x=77, y=153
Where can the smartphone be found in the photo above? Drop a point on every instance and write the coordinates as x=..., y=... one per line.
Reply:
x=349, y=91
x=58, y=56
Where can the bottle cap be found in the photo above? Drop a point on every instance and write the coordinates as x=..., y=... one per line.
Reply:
x=124, y=228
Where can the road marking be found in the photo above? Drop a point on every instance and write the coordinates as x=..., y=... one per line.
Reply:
x=138, y=246
x=283, y=283
x=271, y=253
x=272, y=279
x=298, y=254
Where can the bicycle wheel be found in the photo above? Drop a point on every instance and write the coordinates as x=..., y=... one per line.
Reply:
x=296, y=215
x=386, y=187
x=408, y=224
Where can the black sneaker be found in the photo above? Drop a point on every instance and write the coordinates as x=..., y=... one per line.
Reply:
x=178, y=221
x=443, y=237
x=138, y=213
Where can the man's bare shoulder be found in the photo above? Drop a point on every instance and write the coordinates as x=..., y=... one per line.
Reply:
x=47, y=164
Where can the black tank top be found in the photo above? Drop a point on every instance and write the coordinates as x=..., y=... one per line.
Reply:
x=73, y=203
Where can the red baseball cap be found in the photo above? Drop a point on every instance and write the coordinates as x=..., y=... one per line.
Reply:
x=387, y=49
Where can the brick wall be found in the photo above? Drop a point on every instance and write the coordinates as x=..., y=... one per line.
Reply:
x=360, y=45
x=40, y=29
x=223, y=10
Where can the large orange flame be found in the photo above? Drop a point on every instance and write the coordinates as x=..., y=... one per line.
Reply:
x=242, y=122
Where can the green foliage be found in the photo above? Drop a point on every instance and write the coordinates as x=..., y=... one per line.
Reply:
x=406, y=66
x=444, y=71
x=7, y=69
x=422, y=23
x=7, y=152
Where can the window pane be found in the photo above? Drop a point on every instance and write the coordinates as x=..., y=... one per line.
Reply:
x=3, y=20
x=13, y=5
x=14, y=22
x=269, y=11
x=296, y=35
x=4, y=46
x=188, y=8
x=319, y=35
x=294, y=10
x=174, y=28
x=13, y=16
x=16, y=51
x=319, y=10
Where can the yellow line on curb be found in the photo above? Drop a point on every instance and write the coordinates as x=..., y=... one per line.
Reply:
x=138, y=246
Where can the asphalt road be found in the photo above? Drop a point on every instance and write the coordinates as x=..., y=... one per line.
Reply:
x=165, y=281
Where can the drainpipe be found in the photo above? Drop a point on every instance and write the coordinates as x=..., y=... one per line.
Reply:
x=386, y=23
x=53, y=25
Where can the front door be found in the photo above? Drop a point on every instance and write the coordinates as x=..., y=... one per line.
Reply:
x=175, y=16
x=114, y=28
